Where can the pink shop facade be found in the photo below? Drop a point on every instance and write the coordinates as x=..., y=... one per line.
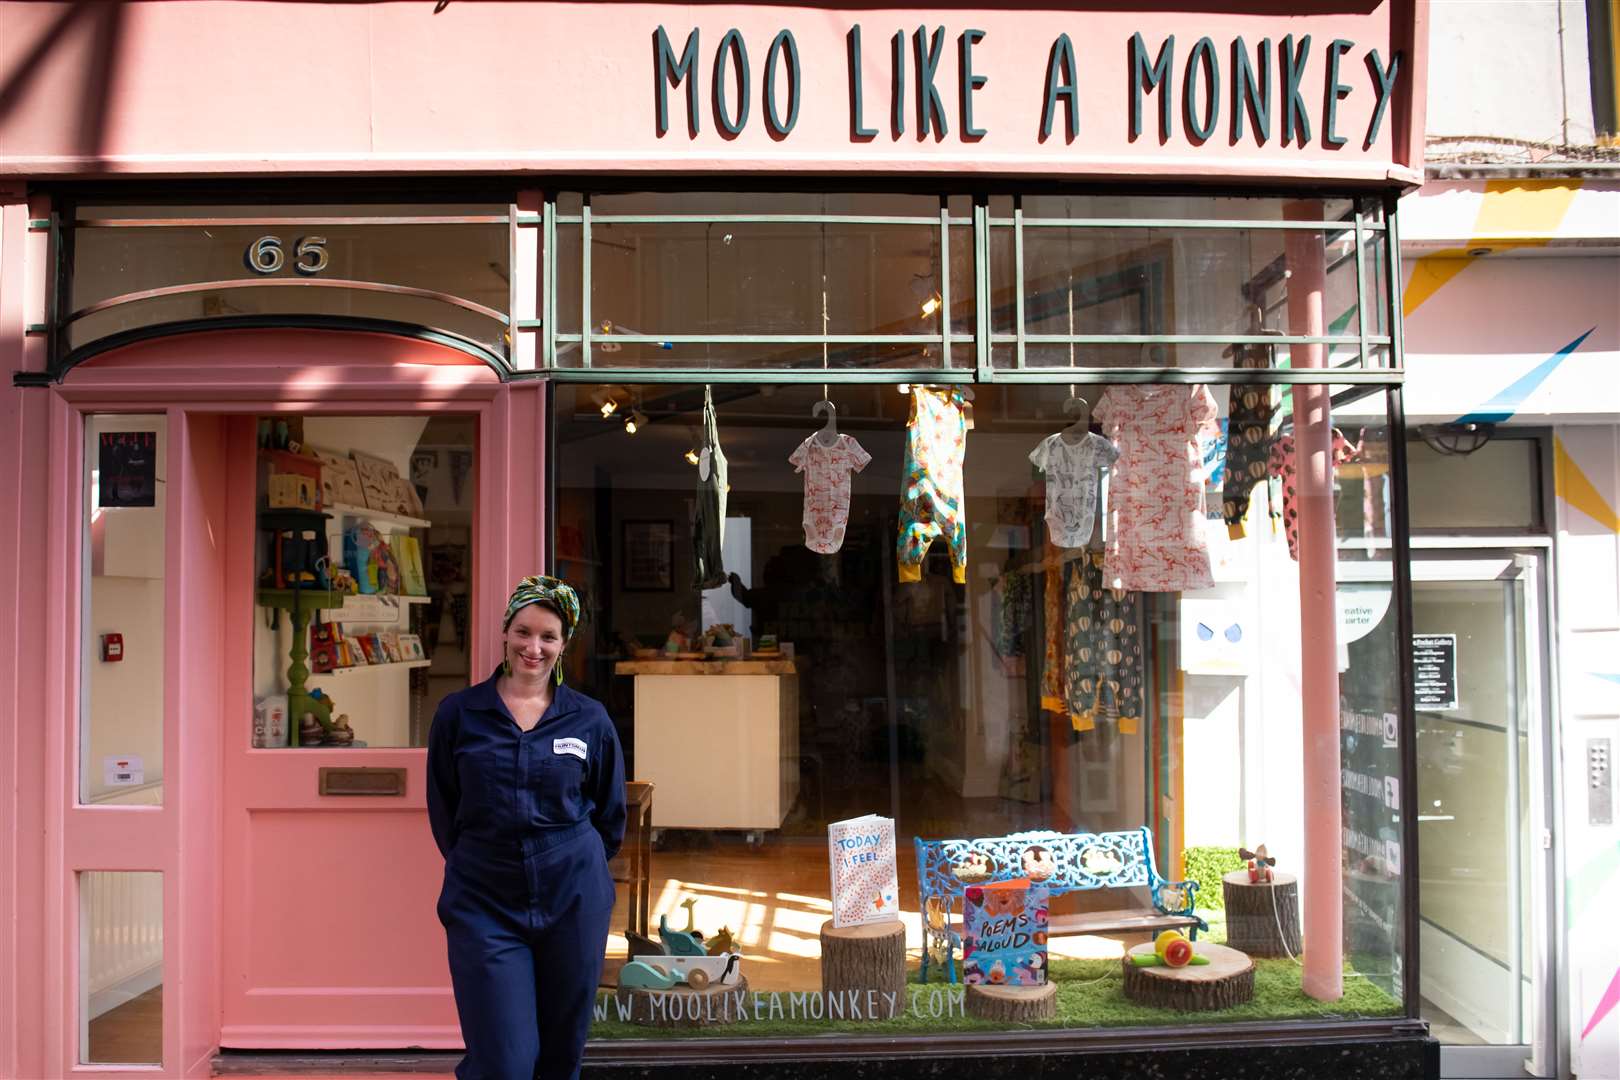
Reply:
x=322, y=324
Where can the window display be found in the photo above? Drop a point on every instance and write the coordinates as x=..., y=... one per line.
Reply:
x=1059, y=709
x=364, y=545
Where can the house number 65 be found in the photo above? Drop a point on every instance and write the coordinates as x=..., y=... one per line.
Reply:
x=265, y=255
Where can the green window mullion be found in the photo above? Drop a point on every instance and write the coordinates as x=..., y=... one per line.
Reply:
x=1361, y=282
x=1392, y=257
x=981, y=286
x=585, y=280
x=1220, y=224
x=945, y=280
x=1018, y=278
x=548, y=255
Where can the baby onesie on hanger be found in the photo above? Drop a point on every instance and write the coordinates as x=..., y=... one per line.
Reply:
x=1248, y=439
x=1157, y=493
x=1282, y=466
x=826, y=488
x=1072, y=480
x=931, y=491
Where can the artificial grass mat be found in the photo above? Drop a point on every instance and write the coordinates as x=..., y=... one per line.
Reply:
x=1090, y=995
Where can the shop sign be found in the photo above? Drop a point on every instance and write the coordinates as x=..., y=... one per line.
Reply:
x=1434, y=672
x=1287, y=90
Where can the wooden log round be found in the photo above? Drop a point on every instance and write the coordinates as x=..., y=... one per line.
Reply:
x=1227, y=980
x=682, y=1006
x=1262, y=918
x=1012, y=1004
x=869, y=957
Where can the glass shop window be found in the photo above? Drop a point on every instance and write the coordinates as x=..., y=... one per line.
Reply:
x=1095, y=267
x=1011, y=677
x=120, y=1006
x=438, y=266
x=364, y=586
x=876, y=272
x=123, y=640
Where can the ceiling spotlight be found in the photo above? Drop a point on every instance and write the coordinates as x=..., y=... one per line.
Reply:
x=691, y=457
x=609, y=407
x=931, y=305
x=635, y=422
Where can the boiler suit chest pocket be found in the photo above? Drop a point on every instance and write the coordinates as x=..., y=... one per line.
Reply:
x=558, y=784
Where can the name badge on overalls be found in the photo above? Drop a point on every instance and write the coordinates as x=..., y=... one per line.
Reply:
x=569, y=746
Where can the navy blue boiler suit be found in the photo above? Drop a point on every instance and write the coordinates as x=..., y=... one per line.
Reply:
x=526, y=821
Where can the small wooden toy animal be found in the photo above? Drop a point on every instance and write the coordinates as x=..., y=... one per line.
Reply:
x=1259, y=864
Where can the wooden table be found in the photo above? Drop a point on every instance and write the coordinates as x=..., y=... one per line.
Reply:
x=632, y=866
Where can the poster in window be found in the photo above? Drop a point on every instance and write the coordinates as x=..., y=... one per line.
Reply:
x=128, y=469
x=649, y=556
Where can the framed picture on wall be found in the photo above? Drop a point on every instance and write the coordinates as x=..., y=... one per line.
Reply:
x=647, y=556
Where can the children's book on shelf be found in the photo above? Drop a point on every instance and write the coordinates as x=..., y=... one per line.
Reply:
x=408, y=553
x=865, y=886
x=1004, y=928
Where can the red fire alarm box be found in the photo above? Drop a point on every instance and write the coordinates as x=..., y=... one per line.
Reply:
x=112, y=646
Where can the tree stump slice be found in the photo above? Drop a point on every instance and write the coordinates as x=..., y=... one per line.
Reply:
x=869, y=957
x=684, y=1007
x=1012, y=1004
x=1262, y=919
x=1227, y=980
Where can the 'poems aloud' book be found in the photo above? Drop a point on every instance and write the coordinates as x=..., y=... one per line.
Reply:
x=865, y=886
x=1004, y=933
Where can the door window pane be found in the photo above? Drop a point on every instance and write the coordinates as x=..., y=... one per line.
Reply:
x=363, y=593
x=122, y=648
x=120, y=967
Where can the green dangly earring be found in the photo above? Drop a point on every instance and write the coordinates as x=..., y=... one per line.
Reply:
x=506, y=668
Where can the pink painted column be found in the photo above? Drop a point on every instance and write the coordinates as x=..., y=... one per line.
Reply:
x=1323, y=921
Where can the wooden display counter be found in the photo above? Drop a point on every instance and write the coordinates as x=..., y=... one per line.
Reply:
x=719, y=738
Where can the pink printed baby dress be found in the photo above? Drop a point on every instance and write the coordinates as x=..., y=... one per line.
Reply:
x=826, y=488
x=1156, y=497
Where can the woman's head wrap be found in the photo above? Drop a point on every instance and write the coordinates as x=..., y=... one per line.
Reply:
x=553, y=592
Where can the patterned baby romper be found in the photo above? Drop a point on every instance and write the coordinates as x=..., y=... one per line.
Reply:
x=1102, y=669
x=1248, y=440
x=1282, y=467
x=931, y=490
x=1157, y=494
x=1072, y=479
x=826, y=488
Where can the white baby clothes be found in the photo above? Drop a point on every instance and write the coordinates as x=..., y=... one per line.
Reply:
x=826, y=488
x=1072, y=479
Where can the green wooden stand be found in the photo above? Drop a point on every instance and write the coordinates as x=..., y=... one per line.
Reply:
x=300, y=604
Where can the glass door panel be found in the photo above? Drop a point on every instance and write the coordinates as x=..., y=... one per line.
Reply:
x=1477, y=661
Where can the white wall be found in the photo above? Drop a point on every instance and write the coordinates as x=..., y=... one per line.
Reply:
x=1509, y=68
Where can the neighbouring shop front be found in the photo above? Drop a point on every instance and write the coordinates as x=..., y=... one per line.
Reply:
x=979, y=442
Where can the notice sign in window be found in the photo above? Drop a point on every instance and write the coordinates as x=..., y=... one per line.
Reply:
x=128, y=464
x=1434, y=671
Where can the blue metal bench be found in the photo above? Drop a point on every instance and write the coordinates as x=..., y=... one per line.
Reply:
x=1064, y=863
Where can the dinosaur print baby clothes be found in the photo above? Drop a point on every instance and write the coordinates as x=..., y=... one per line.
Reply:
x=1073, y=477
x=1156, y=494
x=826, y=488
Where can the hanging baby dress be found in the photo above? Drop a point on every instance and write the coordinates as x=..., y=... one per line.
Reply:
x=826, y=488
x=1073, y=477
x=1156, y=495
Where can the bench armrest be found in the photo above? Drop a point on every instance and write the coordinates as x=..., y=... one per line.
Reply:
x=1175, y=897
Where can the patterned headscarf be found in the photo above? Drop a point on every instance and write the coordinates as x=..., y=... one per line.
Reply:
x=554, y=592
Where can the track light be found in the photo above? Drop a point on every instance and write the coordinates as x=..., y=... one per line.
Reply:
x=931, y=305
x=609, y=407
x=691, y=457
x=635, y=422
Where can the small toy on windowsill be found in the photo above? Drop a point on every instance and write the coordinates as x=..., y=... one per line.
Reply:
x=721, y=641
x=1170, y=949
x=1259, y=865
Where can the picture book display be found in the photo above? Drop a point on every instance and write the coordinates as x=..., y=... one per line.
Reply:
x=1004, y=928
x=865, y=885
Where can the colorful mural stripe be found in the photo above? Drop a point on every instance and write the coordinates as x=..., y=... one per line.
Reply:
x=1576, y=488
x=1512, y=214
x=1611, y=998
x=1507, y=402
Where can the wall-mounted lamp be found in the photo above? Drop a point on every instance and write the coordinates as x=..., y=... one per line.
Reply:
x=1456, y=440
